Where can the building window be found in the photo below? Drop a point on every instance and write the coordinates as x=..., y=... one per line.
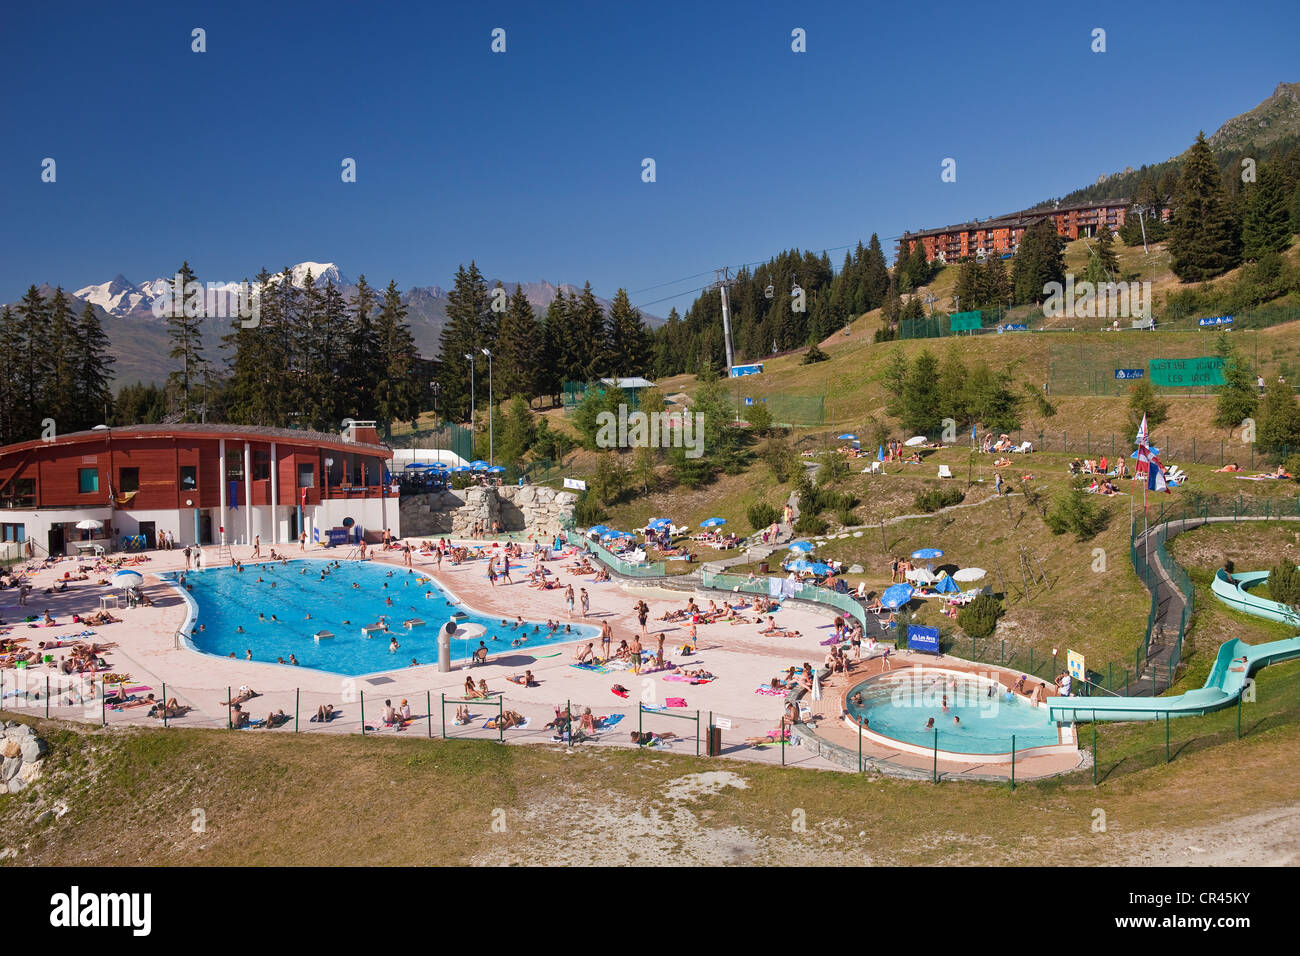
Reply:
x=87, y=480
x=128, y=479
x=189, y=477
x=13, y=532
x=261, y=466
x=306, y=476
x=234, y=466
x=20, y=493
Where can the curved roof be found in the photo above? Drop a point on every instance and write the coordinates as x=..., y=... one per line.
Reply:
x=297, y=436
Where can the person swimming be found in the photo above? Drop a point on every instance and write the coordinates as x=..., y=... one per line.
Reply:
x=240, y=629
x=261, y=616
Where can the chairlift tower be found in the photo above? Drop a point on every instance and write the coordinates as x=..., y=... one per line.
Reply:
x=724, y=280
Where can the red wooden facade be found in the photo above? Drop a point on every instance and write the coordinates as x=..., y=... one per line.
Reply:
x=177, y=467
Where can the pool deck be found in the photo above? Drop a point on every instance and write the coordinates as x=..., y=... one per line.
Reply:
x=149, y=651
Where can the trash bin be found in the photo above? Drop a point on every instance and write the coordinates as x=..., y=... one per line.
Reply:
x=762, y=567
x=715, y=742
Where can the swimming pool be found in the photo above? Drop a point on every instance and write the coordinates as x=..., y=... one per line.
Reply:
x=899, y=705
x=225, y=600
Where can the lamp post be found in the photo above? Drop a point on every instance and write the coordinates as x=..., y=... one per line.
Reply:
x=469, y=357
x=491, y=402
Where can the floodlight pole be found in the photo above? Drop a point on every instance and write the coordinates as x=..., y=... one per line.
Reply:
x=491, y=403
x=469, y=356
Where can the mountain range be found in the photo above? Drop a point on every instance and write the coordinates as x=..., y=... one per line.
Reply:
x=139, y=343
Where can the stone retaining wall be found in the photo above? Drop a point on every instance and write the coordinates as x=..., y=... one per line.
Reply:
x=530, y=509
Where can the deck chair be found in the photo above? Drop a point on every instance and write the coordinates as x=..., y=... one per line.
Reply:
x=480, y=656
x=872, y=469
x=945, y=471
x=805, y=711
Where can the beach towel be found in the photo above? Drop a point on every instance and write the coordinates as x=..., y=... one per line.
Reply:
x=683, y=679
x=619, y=691
x=675, y=701
x=610, y=721
x=593, y=668
x=653, y=707
x=832, y=640
x=770, y=691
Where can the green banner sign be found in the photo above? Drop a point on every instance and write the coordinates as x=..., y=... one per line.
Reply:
x=964, y=321
x=1187, y=373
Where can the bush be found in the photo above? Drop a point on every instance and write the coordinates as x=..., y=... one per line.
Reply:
x=846, y=517
x=780, y=457
x=761, y=514
x=834, y=466
x=814, y=354
x=1284, y=584
x=979, y=618
x=934, y=497
x=760, y=419
x=1077, y=511
x=588, y=511
x=809, y=523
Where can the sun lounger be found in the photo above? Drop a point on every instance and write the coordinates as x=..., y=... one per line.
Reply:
x=413, y=622
x=945, y=471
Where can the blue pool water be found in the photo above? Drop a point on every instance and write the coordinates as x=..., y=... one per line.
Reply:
x=228, y=599
x=899, y=707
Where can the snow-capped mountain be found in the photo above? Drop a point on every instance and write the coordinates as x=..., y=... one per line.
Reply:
x=321, y=273
x=119, y=295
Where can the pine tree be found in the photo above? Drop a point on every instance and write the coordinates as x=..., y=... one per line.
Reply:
x=629, y=344
x=364, y=354
x=1204, y=241
x=468, y=315
x=518, y=431
x=31, y=371
x=184, y=325
x=250, y=364
x=1279, y=421
x=57, y=398
x=397, y=391
x=1237, y=398
x=555, y=370
x=93, y=370
x=1106, y=250
x=1040, y=259
x=591, y=335
x=11, y=403
x=1266, y=226
x=519, y=352
x=875, y=275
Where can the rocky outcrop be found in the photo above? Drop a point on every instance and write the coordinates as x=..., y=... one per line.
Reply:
x=23, y=752
x=521, y=509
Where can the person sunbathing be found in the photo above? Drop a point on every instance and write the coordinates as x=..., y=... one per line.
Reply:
x=1229, y=468
x=462, y=716
x=238, y=717
x=324, y=714
x=275, y=719
x=507, y=720
x=642, y=738
x=771, y=627
x=525, y=679
x=245, y=693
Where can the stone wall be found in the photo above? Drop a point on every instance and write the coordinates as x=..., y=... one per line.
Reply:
x=527, y=509
x=23, y=752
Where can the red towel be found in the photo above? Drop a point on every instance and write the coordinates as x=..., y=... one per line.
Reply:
x=675, y=702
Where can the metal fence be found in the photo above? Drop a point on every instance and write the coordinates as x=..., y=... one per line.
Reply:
x=1174, y=449
x=784, y=409
x=633, y=569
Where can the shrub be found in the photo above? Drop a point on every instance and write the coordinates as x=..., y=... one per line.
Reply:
x=760, y=419
x=934, y=497
x=846, y=517
x=1077, y=511
x=1284, y=584
x=781, y=459
x=761, y=514
x=814, y=354
x=980, y=617
x=588, y=511
x=834, y=466
x=809, y=523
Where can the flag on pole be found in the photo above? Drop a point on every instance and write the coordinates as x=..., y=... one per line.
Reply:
x=1142, y=432
x=973, y=436
x=1156, y=476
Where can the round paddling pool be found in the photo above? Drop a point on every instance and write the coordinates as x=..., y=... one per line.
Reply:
x=224, y=600
x=898, y=705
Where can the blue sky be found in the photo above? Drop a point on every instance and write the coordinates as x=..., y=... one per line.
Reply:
x=530, y=161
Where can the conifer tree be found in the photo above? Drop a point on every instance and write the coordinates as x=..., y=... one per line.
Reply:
x=93, y=371
x=519, y=353
x=1204, y=240
x=1266, y=226
x=184, y=326
x=629, y=345
x=468, y=316
x=396, y=390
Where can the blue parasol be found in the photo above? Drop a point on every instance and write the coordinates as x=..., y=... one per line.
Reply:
x=927, y=554
x=848, y=436
x=896, y=595
x=801, y=546
x=712, y=522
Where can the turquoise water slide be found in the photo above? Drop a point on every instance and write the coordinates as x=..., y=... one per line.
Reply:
x=1235, y=662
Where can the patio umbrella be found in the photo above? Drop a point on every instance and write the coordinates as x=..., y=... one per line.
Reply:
x=126, y=579
x=927, y=554
x=415, y=466
x=479, y=463
x=847, y=436
x=880, y=453
x=496, y=469
x=915, y=441
x=896, y=595
x=712, y=522
x=88, y=524
x=969, y=574
x=819, y=569
x=816, y=693
x=658, y=523
x=439, y=465
x=921, y=575
x=597, y=529
x=462, y=468
x=946, y=585
x=799, y=564
x=801, y=546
